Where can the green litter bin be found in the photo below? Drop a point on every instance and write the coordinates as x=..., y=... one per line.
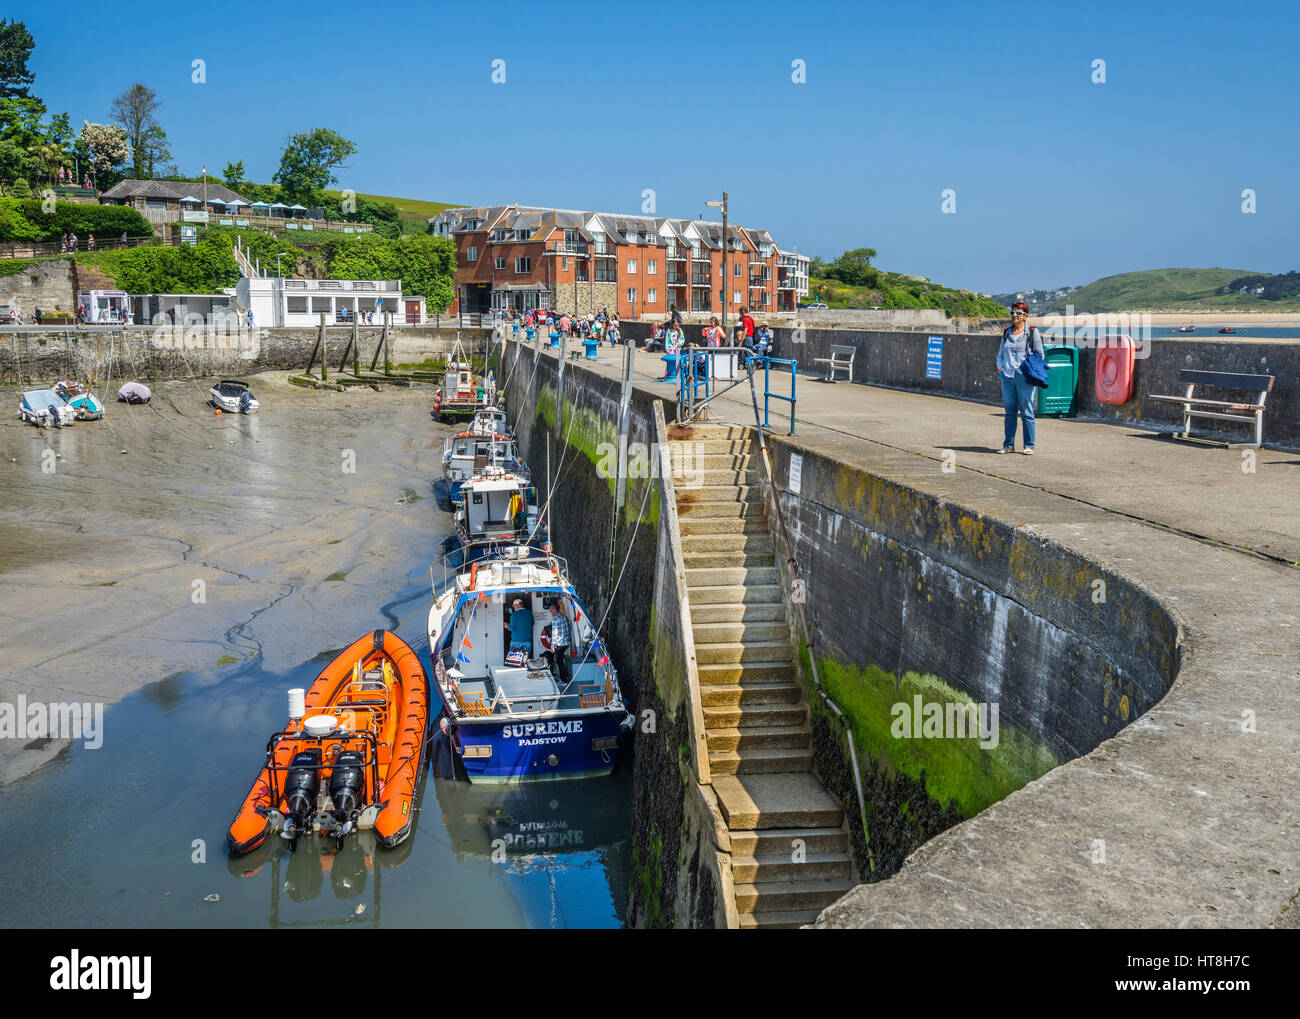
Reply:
x=1057, y=397
x=478, y=393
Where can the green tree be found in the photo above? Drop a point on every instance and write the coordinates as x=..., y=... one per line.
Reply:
x=233, y=174
x=16, y=45
x=817, y=267
x=15, y=163
x=20, y=120
x=308, y=163
x=854, y=268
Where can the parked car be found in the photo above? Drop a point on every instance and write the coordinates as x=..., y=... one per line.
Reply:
x=815, y=305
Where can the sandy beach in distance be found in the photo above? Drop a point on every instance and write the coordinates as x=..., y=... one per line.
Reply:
x=1201, y=319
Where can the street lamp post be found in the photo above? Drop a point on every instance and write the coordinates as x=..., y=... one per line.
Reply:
x=723, y=206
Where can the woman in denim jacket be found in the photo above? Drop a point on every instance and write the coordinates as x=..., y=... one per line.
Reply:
x=1018, y=393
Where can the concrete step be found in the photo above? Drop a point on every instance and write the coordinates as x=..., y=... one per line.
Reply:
x=707, y=560
x=796, y=800
x=712, y=576
x=750, y=693
x=797, y=737
x=709, y=447
x=705, y=494
x=760, y=761
x=765, y=631
x=736, y=715
x=694, y=525
x=783, y=896
x=813, y=867
x=784, y=919
x=754, y=651
x=713, y=476
x=735, y=594
x=732, y=673
x=692, y=511
x=753, y=541
x=720, y=430
x=736, y=612
x=693, y=457
x=779, y=843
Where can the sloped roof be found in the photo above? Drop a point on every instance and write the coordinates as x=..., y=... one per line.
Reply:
x=173, y=189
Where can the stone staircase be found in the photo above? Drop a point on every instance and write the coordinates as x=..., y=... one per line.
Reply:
x=789, y=847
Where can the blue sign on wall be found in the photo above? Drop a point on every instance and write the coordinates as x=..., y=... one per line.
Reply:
x=934, y=358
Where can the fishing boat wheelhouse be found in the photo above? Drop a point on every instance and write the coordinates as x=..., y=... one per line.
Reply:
x=508, y=716
x=468, y=453
x=498, y=508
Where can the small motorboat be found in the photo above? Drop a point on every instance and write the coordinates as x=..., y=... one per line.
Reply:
x=134, y=392
x=1187, y=329
x=351, y=755
x=85, y=405
x=466, y=454
x=233, y=396
x=508, y=715
x=1227, y=331
x=45, y=408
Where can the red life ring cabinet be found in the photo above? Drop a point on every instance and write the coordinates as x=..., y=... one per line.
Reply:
x=1113, y=375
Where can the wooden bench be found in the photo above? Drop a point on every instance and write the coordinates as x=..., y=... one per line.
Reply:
x=841, y=359
x=1222, y=410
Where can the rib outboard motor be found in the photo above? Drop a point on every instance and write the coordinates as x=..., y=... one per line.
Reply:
x=347, y=785
x=300, y=788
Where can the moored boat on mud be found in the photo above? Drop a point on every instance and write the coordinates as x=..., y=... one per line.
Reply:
x=351, y=755
x=466, y=454
x=45, y=407
x=509, y=715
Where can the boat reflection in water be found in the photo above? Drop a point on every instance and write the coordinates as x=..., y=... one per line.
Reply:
x=562, y=846
x=354, y=874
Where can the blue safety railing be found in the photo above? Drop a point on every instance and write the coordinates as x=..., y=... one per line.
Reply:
x=703, y=373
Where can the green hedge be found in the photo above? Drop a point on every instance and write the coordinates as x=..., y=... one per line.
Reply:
x=22, y=219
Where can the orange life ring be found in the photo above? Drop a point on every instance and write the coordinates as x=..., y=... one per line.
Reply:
x=1113, y=374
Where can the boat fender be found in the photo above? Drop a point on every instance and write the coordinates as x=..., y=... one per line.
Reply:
x=379, y=640
x=473, y=575
x=629, y=720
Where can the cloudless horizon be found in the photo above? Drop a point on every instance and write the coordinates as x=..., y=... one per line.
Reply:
x=1058, y=180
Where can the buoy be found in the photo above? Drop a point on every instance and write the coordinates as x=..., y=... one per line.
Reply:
x=218, y=412
x=1113, y=369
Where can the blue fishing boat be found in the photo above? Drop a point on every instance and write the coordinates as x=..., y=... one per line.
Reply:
x=514, y=707
x=86, y=406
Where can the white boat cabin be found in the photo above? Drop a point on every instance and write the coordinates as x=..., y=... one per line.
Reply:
x=498, y=504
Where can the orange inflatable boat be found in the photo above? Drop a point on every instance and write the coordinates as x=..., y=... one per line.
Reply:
x=351, y=755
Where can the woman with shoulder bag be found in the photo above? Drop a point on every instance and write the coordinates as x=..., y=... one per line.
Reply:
x=1018, y=392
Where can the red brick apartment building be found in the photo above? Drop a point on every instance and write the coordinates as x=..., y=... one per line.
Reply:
x=521, y=257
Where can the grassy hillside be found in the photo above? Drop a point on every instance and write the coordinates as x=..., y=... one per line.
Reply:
x=1167, y=290
x=413, y=213
x=895, y=290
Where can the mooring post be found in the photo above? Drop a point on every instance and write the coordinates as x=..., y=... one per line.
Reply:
x=388, y=321
x=356, y=346
x=324, y=345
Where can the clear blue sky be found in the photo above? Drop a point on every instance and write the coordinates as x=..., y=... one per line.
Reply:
x=1058, y=180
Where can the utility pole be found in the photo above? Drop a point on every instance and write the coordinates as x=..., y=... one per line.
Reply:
x=205, y=186
x=725, y=279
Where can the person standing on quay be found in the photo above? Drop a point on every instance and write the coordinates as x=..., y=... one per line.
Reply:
x=1018, y=393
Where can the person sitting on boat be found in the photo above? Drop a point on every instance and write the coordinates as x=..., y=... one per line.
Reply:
x=560, y=643
x=521, y=632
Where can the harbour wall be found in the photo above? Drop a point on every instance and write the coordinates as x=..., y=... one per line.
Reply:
x=31, y=357
x=913, y=601
x=619, y=559
x=897, y=359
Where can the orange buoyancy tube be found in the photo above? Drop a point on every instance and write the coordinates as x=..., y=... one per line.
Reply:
x=410, y=718
x=1114, y=369
x=405, y=706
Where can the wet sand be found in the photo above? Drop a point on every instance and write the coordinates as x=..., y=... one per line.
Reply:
x=101, y=558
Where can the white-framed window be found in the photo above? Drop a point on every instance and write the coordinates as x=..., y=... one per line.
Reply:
x=296, y=305
x=652, y=296
x=740, y=270
x=523, y=265
x=652, y=266
x=471, y=254
x=631, y=265
x=564, y=263
x=501, y=261
x=735, y=297
x=631, y=295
